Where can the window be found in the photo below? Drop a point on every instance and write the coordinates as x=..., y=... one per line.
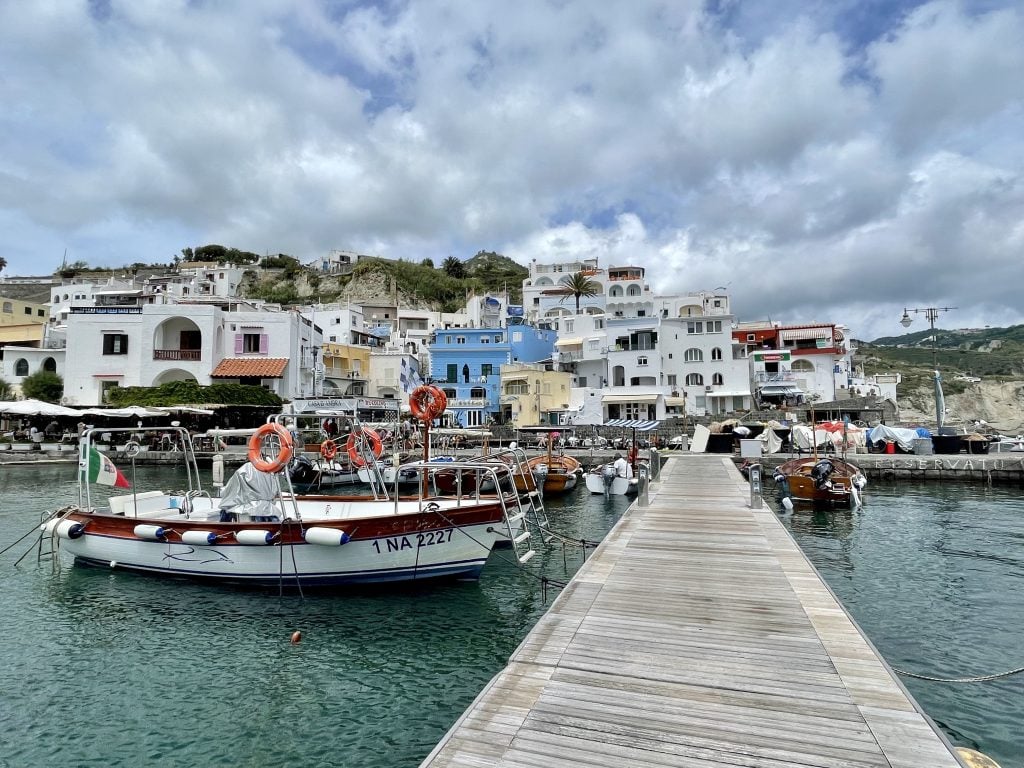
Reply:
x=115, y=344
x=516, y=336
x=718, y=379
x=634, y=290
x=460, y=339
x=716, y=354
x=568, y=326
x=582, y=381
x=693, y=355
x=694, y=380
x=40, y=312
x=49, y=364
x=642, y=360
x=447, y=339
x=8, y=308
x=486, y=369
x=451, y=372
x=105, y=388
x=671, y=379
x=695, y=326
x=485, y=339
x=449, y=393
x=251, y=342
x=21, y=367
x=497, y=338
x=478, y=393
x=714, y=326
x=598, y=324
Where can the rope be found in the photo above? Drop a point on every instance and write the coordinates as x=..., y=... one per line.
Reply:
x=979, y=679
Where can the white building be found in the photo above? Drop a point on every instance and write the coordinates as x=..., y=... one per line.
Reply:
x=208, y=341
x=704, y=365
x=18, y=362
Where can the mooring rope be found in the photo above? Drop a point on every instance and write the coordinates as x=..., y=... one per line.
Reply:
x=979, y=679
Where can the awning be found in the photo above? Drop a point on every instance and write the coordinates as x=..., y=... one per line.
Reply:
x=640, y=425
x=780, y=389
x=675, y=401
x=576, y=342
x=262, y=368
x=728, y=394
x=629, y=399
x=792, y=334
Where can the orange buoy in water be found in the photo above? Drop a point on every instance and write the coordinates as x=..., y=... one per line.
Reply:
x=296, y=637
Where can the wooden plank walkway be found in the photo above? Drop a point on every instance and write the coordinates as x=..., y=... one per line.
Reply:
x=697, y=635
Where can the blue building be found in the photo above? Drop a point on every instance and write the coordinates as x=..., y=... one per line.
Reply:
x=466, y=363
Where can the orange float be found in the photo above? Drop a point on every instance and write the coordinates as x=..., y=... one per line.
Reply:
x=351, y=445
x=328, y=449
x=427, y=402
x=284, y=454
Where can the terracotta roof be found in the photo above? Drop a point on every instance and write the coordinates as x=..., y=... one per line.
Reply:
x=262, y=367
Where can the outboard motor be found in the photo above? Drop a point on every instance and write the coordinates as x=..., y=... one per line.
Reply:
x=302, y=472
x=821, y=472
x=540, y=474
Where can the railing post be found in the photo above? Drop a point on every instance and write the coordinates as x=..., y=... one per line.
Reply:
x=755, y=486
x=655, y=464
x=641, y=496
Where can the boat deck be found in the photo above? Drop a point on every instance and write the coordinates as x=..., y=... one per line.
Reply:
x=697, y=634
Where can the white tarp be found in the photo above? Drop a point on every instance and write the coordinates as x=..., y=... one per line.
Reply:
x=772, y=442
x=35, y=408
x=904, y=438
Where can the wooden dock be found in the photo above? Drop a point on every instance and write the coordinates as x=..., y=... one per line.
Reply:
x=697, y=634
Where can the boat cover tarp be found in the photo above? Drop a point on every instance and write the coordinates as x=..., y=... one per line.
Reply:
x=250, y=492
x=827, y=437
x=904, y=438
x=772, y=442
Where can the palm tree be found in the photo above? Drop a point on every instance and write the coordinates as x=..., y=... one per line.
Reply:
x=3, y=263
x=580, y=284
x=453, y=267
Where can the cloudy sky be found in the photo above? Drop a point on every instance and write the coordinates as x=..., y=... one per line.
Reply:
x=832, y=160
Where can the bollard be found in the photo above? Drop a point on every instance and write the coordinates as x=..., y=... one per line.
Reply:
x=755, y=486
x=655, y=464
x=641, y=496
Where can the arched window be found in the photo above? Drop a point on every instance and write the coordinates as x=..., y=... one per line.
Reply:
x=716, y=354
x=615, y=291
x=633, y=290
x=718, y=379
x=693, y=355
x=21, y=367
x=544, y=281
x=802, y=366
x=49, y=364
x=694, y=380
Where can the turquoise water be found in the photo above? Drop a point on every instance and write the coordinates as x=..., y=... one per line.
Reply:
x=934, y=575
x=112, y=669
x=109, y=669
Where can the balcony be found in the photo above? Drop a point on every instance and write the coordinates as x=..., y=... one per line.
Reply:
x=468, y=402
x=774, y=378
x=191, y=355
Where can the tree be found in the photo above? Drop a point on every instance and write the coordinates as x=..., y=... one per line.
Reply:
x=3, y=264
x=427, y=262
x=579, y=285
x=43, y=385
x=453, y=268
x=5, y=390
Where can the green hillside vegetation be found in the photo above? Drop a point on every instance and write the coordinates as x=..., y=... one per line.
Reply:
x=991, y=353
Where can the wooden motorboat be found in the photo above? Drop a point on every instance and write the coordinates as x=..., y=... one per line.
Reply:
x=551, y=473
x=822, y=480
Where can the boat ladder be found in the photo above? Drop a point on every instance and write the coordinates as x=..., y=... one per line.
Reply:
x=532, y=498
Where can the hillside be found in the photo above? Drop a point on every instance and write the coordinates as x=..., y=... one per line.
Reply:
x=412, y=285
x=995, y=355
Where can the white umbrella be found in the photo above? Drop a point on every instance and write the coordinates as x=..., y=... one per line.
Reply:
x=35, y=408
x=131, y=412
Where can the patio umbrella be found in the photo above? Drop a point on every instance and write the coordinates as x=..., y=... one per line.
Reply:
x=131, y=412
x=35, y=408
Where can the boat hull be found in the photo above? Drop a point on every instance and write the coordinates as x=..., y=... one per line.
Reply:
x=404, y=547
x=800, y=485
x=619, y=486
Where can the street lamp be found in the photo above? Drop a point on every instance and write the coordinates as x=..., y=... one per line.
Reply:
x=931, y=313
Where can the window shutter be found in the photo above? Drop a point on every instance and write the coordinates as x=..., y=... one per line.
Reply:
x=264, y=343
x=239, y=341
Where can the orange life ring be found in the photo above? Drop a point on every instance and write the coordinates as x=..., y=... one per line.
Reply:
x=376, y=446
x=427, y=402
x=328, y=449
x=284, y=454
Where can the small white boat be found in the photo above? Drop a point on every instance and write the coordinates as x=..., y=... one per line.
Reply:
x=259, y=533
x=603, y=479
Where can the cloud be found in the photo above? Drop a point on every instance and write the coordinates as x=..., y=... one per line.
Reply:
x=830, y=161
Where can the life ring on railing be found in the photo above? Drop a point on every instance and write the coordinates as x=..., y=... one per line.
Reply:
x=328, y=449
x=376, y=446
x=284, y=454
x=427, y=402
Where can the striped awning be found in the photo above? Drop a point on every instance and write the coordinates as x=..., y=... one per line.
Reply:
x=574, y=342
x=819, y=332
x=614, y=399
x=640, y=425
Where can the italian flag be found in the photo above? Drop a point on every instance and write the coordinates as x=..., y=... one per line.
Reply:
x=103, y=471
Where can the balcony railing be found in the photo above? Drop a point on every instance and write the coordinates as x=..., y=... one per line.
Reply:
x=774, y=378
x=468, y=402
x=177, y=354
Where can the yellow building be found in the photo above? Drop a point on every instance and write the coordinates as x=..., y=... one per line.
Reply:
x=346, y=368
x=532, y=396
x=23, y=322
